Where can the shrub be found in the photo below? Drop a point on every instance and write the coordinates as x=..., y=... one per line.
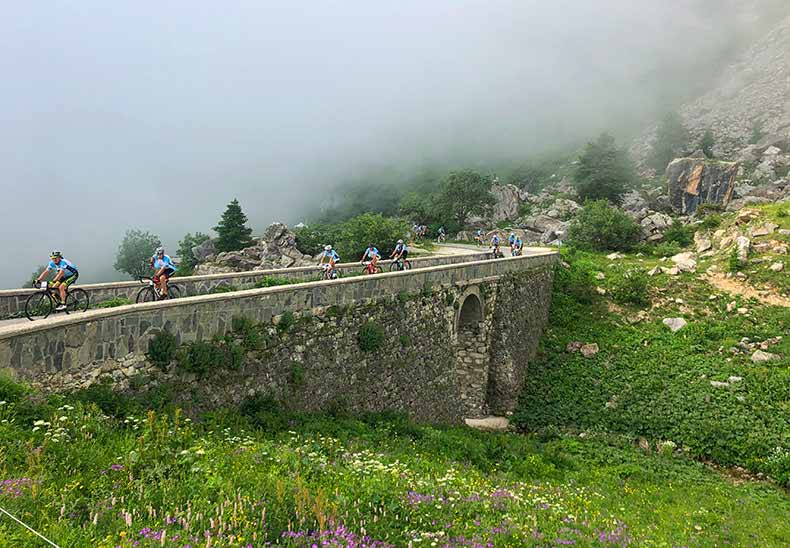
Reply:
x=265, y=412
x=224, y=288
x=575, y=281
x=162, y=349
x=370, y=337
x=710, y=222
x=734, y=263
x=251, y=334
x=203, y=357
x=188, y=260
x=632, y=288
x=351, y=237
x=286, y=322
x=680, y=234
x=405, y=341
x=599, y=227
x=114, y=302
x=665, y=249
x=272, y=281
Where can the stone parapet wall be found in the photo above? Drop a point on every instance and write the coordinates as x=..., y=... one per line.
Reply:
x=12, y=301
x=428, y=365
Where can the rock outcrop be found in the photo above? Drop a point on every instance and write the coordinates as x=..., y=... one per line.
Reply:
x=508, y=200
x=694, y=181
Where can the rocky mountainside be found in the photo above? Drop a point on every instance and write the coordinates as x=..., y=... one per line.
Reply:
x=749, y=103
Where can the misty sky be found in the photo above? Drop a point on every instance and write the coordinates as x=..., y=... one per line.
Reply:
x=155, y=114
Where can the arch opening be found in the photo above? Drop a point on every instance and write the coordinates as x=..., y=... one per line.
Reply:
x=471, y=314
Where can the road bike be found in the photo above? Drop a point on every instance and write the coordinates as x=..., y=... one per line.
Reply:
x=496, y=253
x=42, y=303
x=441, y=238
x=151, y=292
x=368, y=268
x=329, y=273
x=400, y=264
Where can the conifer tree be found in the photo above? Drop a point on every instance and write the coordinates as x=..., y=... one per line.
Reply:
x=233, y=232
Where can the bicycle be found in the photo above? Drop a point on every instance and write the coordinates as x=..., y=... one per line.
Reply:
x=441, y=238
x=496, y=253
x=479, y=241
x=42, y=303
x=151, y=292
x=329, y=273
x=400, y=264
x=368, y=268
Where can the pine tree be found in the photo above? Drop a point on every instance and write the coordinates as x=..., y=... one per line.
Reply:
x=234, y=234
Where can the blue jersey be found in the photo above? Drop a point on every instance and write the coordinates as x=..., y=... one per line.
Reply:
x=69, y=268
x=401, y=248
x=519, y=243
x=495, y=240
x=370, y=253
x=332, y=255
x=512, y=239
x=163, y=262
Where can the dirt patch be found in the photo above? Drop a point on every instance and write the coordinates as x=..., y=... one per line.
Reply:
x=736, y=287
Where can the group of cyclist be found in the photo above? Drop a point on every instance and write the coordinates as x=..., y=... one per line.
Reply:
x=66, y=272
x=370, y=258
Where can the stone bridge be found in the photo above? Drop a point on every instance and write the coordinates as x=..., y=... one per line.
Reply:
x=442, y=342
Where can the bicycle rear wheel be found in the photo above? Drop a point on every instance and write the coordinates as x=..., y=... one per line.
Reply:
x=77, y=301
x=39, y=305
x=174, y=292
x=146, y=295
x=407, y=264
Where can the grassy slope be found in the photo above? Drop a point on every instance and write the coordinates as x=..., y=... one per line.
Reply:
x=649, y=382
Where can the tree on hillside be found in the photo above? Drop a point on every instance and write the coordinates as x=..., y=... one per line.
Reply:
x=600, y=227
x=706, y=144
x=185, y=248
x=464, y=193
x=234, y=234
x=418, y=207
x=135, y=250
x=603, y=171
x=672, y=139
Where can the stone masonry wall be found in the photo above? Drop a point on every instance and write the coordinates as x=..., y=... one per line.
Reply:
x=12, y=301
x=318, y=362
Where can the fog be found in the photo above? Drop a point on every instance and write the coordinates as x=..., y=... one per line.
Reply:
x=154, y=115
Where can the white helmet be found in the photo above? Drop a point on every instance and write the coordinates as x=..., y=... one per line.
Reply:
x=327, y=247
x=160, y=250
x=400, y=241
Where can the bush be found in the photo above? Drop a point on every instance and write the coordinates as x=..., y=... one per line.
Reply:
x=680, y=234
x=162, y=349
x=202, y=357
x=272, y=281
x=114, y=302
x=350, y=238
x=286, y=322
x=599, y=227
x=575, y=281
x=632, y=288
x=370, y=337
x=265, y=412
x=734, y=263
x=710, y=222
x=188, y=260
x=665, y=249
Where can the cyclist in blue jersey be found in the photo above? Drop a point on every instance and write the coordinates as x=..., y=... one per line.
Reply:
x=331, y=257
x=400, y=253
x=66, y=274
x=517, y=246
x=164, y=268
x=495, y=241
x=479, y=237
x=371, y=254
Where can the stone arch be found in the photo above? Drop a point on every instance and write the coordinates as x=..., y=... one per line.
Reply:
x=471, y=313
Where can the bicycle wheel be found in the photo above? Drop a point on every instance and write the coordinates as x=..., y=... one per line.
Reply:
x=77, y=300
x=407, y=264
x=39, y=305
x=395, y=266
x=146, y=295
x=174, y=292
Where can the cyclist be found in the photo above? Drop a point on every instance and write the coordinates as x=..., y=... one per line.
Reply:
x=479, y=237
x=511, y=240
x=495, y=241
x=331, y=257
x=400, y=253
x=66, y=275
x=371, y=254
x=164, y=267
x=518, y=245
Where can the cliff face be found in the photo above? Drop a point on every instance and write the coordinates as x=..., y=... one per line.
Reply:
x=752, y=93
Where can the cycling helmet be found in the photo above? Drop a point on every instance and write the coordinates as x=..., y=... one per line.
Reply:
x=57, y=254
x=160, y=250
x=371, y=245
x=400, y=241
x=327, y=247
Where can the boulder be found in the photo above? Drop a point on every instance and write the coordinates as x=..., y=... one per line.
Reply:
x=702, y=242
x=589, y=350
x=463, y=236
x=697, y=181
x=760, y=356
x=685, y=262
x=507, y=202
x=548, y=228
x=204, y=250
x=777, y=267
x=654, y=224
x=615, y=256
x=674, y=324
x=743, y=244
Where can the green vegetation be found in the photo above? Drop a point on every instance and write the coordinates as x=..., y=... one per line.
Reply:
x=162, y=348
x=370, y=337
x=672, y=138
x=203, y=357
x=188, y=260
x=96, y=469
x=600, y=227
x=134, y=253
x=696, y=388
x=679, y=234
x=114, y=302
x=272, y=281
x=603, y=172
x=632, y=288
x=232, y=230
x=706, y=144
x=464, y=193
x=351, y=237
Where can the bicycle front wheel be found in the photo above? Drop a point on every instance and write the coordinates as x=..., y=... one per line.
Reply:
x=174, y=292
x=77, y=301
x=407, y=265
x=394, y=266
x=146, y=295
x=39, y=306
